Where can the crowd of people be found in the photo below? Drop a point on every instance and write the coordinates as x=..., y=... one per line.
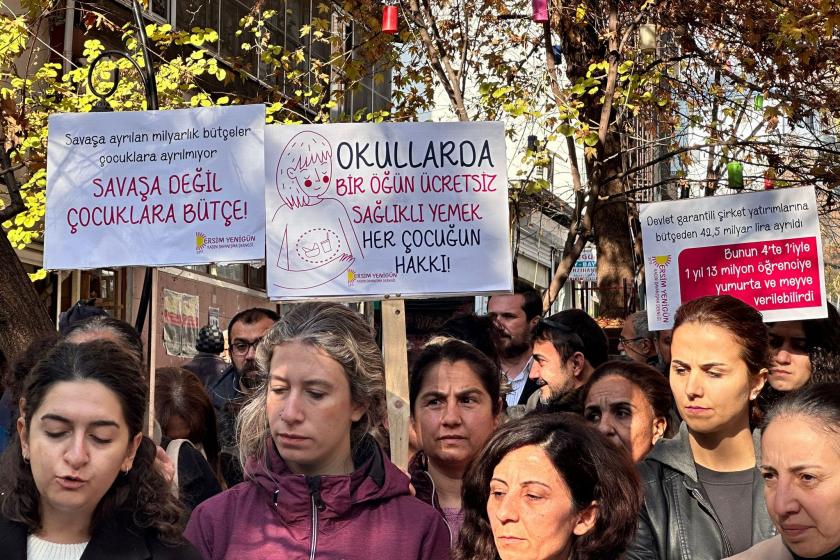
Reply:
x=717, y=439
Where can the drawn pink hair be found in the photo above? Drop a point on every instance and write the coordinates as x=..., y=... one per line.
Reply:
x=304, y=149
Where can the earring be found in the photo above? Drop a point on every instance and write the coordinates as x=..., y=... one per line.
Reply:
x=26, y=458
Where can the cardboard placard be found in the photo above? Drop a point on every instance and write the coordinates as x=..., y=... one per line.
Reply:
x=155, y=188
x=763, y=248
x=367, y=210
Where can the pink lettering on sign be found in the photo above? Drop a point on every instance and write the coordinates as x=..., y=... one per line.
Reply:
x=768, y=275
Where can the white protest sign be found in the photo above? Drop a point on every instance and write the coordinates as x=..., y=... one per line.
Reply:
x=586, y=266
x=763, y=248
x=366, y=210
x=155, y=188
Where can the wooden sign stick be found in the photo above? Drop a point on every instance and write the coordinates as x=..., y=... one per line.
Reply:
x=395, y=351
x=153, y=351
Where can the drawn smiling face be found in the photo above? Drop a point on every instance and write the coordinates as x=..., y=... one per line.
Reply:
x=314, y=179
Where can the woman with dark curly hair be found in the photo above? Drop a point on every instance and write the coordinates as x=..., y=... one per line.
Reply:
x=78, y=482
x=549, y=486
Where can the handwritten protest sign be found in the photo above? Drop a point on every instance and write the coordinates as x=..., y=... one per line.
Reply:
x=586, y=266
x=362, y=210
x=155, y=188
x=762, y=248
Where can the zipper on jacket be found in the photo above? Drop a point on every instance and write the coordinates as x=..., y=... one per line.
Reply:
x=727, y=548
x=314, y=484
x=434, y=497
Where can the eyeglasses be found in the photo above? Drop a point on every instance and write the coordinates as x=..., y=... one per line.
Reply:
x=626, y=341
x=240, y=347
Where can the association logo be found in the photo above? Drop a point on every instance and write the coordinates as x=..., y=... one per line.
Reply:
x=662, y=261
x=200, y=240
x=354, y=277
x=660, y=287
x=211, y=243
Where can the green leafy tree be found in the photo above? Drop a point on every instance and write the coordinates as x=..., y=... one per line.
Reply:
x=310, y=82
x=714, y=87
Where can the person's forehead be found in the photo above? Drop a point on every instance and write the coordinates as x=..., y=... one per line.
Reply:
x=82, y=401
x=787, y=328
x=455, y=376
x=545, y=348
x=705, y=343
x=251, y=330
x=506, y=303
x=614, y=388
x=813, y=441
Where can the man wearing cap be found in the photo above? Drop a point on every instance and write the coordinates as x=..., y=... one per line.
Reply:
x=208, y=364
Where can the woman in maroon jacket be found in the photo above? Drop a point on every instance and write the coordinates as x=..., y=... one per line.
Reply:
x=317, y=484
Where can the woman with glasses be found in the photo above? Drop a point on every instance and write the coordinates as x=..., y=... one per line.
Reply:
x=317, y=484
x=702, y=488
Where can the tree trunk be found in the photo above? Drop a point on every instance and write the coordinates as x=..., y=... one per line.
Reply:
x=22, y=315
x=612, y=238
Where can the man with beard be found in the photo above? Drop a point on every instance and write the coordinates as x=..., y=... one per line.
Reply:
x=517, y=315
x=636, y=341
x=242, y=376
x=559, y=365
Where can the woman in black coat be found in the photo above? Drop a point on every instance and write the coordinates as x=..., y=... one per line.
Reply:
x=79, y=480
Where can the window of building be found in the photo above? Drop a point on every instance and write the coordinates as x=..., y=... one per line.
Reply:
x=234, y=272
x=372, y=92
x=253, y=277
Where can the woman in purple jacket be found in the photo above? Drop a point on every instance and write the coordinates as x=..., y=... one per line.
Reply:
x=317, y=484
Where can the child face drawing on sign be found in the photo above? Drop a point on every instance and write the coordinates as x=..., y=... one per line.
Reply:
x=317, y=239
x=304, y=171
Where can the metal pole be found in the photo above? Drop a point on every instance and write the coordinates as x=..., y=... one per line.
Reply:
x=147, y=75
